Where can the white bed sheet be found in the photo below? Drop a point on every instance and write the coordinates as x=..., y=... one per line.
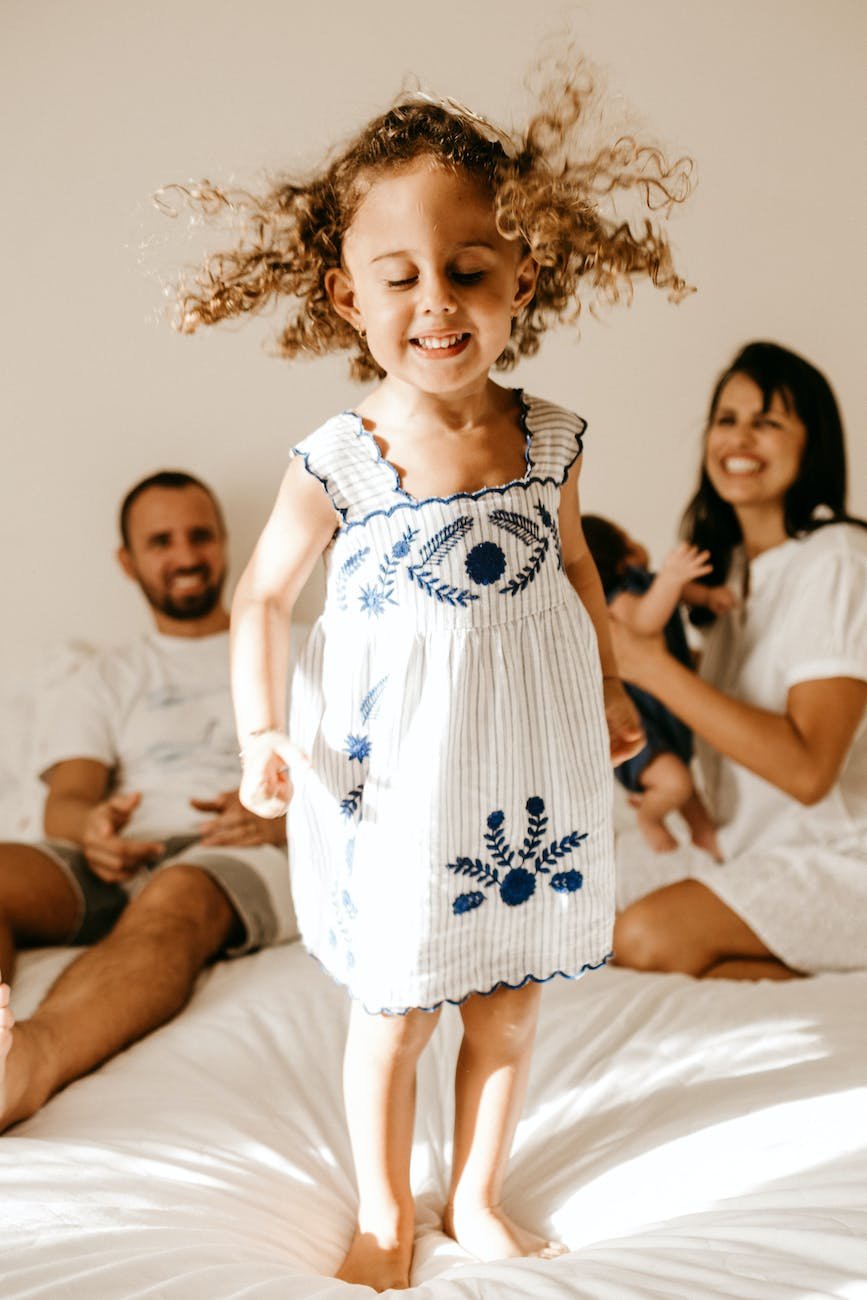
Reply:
x=696, y=1140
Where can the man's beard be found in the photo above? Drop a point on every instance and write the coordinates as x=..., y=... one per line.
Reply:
x=185, y=608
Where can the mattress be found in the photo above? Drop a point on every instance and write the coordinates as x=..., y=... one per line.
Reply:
x=684, y=1139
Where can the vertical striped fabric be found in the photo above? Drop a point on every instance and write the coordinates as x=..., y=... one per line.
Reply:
x=454, y=833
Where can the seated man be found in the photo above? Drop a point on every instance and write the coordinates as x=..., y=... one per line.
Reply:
x=150, y=858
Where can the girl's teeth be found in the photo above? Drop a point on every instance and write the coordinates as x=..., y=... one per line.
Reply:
x=440, y=343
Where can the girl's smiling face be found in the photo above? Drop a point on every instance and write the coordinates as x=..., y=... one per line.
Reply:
x=429, y=278
x=753, y=455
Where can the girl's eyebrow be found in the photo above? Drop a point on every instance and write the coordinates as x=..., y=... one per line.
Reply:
x=411, y=252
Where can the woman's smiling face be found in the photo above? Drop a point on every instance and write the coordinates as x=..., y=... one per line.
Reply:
x=430, y=279
x=752, y=454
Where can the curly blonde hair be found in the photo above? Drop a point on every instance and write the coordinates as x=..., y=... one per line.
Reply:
x=560, y=205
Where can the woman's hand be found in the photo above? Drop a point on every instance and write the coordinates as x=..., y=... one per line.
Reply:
x=267, y=760
x=624, y=726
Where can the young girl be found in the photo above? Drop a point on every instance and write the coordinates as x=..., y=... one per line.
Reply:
x=659, y=775
x=457, y=708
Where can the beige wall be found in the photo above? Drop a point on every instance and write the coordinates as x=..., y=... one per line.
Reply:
x=105, y=100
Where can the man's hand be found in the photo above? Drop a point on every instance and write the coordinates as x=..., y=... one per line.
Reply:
x=235, y=824
x=109, y=856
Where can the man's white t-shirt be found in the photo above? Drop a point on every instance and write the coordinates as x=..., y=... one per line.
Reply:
x=158, y=713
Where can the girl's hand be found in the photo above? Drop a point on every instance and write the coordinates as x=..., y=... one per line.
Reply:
x=267, y=760
x=686, y=564
x=624, y=727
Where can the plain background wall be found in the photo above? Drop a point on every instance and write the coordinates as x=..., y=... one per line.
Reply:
x=103, y=101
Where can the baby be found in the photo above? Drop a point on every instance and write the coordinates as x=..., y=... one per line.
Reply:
x=658, y=777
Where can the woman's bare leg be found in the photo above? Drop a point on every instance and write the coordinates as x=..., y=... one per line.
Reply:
x=666, y=785
x=490, y=1086
x=379, y=1072
x=736, y=968
x=685, y=927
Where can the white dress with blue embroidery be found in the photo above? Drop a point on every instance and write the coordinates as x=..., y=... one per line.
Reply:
x=454, y=833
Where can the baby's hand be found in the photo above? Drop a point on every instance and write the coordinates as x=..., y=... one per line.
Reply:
x=686, y=563
x=624, y=727
x=267, y=760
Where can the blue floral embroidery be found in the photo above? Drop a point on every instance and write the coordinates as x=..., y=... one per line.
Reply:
x=373, y=600
x=486, y=563
x=432, y=555
x=375, y=596
x=517, y=883
x=357, y=747
x=350, y=804
x=371, y=700
x=345, y=572
x=551, y=524
x=527, y=531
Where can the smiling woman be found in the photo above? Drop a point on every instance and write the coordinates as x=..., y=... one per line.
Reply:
x=780, y=711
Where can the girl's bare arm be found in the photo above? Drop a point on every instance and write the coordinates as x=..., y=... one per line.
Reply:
x=627, y=737
x=300, y=527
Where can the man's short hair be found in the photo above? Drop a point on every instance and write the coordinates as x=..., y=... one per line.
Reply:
x=165, y=478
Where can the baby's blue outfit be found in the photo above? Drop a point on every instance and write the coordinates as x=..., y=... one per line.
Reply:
x=454, y=833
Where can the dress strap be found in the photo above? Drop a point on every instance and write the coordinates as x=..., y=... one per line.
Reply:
x=346, y=459
x=556, y=438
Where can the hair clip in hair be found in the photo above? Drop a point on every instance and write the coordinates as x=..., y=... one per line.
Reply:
x=485, y=129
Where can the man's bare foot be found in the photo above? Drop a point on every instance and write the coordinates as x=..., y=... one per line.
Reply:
x=656, y=833
x=20, y=1097
x=488, y=1233
x=381, y=1261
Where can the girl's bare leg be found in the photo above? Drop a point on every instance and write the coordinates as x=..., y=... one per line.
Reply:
x=379, y=1071
x=490, y=1085
x=667, y=785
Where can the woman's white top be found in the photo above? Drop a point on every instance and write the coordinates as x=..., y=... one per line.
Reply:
x=796, y=874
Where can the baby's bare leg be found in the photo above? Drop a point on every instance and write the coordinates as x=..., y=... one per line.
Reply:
x=701, y=828
x=379, y=1091
x=667, y=784
x=490, y=1085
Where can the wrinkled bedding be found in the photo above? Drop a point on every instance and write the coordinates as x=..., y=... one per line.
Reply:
x=685, y=1139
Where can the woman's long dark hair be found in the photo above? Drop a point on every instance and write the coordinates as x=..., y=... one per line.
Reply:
x=711, y=523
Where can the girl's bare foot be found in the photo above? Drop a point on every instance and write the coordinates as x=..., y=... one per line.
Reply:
x=21, y=1092
x=379, y=1260
x=488, y=1233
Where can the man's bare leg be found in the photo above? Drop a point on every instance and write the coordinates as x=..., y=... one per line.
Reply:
x=119, y=990
x=490, y=1087
x=667, y=785
x=379, y=1073
x=38, y=905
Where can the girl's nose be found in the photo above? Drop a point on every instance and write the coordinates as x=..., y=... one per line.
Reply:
x=438, y=294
